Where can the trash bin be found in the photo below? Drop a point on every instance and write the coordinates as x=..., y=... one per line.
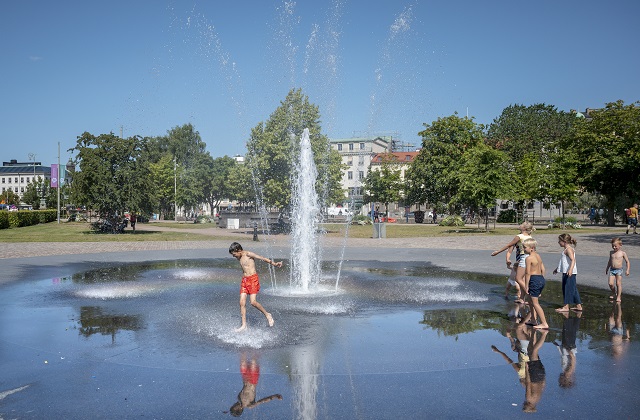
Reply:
x=379, y=230
x=418, y=216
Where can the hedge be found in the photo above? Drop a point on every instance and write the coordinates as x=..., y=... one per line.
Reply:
x=12, y=219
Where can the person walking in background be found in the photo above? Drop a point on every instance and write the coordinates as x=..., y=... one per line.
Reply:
x=617, y=257
x=632, y=218
x=569, y=269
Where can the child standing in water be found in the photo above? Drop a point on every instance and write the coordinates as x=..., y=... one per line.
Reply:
x=614, y=267
x=534, y=282
x=567, y=266
x=517, y=242
x=250, y=282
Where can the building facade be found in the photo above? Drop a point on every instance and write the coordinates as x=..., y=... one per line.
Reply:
x=357, y=154
x=16, y=176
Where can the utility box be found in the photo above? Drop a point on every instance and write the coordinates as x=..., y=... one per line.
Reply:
x=379, y=230
x=233, y=223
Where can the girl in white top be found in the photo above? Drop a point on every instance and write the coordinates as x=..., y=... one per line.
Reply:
x=568, y=267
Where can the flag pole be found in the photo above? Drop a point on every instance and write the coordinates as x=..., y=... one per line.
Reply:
x=58, y=182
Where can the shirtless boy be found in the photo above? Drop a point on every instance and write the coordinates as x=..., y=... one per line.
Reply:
x=534, y=282
x=250, y=282
x=614, y=268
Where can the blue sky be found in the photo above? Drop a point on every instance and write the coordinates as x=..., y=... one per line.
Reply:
x=372, y=66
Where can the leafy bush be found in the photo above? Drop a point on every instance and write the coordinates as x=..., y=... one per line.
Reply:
x=4, y=220
x=361, y=219
x=453, y=220
x=507, y=216
x=569, y=223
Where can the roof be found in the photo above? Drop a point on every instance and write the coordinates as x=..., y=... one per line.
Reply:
x=26, y=170
x=400, y=157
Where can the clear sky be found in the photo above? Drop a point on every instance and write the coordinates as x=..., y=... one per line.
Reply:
x=372, y=66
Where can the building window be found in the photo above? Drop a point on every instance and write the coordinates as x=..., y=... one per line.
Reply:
x=350, y=175
x=21, y=179
x=28, y=180
x=339, y=147
x=361, y=175
x=16, y=180
x=360, y=160
x=407, y=158
x=350, y=146
x=3, y=180
x=16, y=189
x=361, y=146
x=21, y=189
x=350, y=163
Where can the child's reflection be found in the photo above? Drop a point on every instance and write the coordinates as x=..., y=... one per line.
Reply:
x=617, y=331
x=527, y=343
x=250, y=371
x=568, y=349
x=535, y=379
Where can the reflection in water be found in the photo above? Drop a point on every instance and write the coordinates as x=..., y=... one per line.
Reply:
x=527, y=342
x=567, y=349
x=536, y=378
x=452, y=322
x=250, y=371
x=618, y=332
x=93, y=321
x=305, y=369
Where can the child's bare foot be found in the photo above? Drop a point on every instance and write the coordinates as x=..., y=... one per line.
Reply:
x=577, y=308
x=541, y=327
x=270, y=320
x=618, y=300
x=563, y=309
x=241, y=328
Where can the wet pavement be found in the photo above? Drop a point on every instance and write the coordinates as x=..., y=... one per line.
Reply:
x=411, y=333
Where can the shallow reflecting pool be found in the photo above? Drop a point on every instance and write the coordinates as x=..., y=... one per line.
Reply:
x=398, y=340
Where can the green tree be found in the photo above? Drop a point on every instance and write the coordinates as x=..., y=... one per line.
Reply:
x=9, y=197
x=482, y=178
x=219, y=183
x=608, y=160
x=162, y=175
x=531, y=136
x=113, y=175
x=35, y=191
x=384, y=184
x=274, y=146
x=242, y=187
x=432, y=175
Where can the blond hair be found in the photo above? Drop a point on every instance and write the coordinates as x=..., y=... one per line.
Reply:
x=527, y=226
x=531, y=243
x=616, y=241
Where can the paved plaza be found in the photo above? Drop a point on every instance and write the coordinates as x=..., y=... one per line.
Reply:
x=418, y=329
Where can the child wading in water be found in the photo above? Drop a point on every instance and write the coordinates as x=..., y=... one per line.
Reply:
x=250, y=282
x=534, y=282
x=614, y=267
x=567, y=266
x=517, y=242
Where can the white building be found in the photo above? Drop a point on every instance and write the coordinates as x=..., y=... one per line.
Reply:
x=357, y=154
x=16, y=176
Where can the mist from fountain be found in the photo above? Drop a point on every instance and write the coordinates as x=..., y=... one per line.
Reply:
x=305, y=216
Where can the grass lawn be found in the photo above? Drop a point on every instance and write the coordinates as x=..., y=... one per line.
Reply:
x=80, y=232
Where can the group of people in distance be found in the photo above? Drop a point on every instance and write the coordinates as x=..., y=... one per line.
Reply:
x=528, y=271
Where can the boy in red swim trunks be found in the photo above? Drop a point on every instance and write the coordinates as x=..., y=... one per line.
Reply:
x=250, y=282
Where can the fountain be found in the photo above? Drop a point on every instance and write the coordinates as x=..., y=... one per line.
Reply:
x=305, y=261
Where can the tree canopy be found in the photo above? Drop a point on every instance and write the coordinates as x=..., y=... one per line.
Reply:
x=275, y=144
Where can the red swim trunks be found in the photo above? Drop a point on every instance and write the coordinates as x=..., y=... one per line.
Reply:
x=250, y=373
x=250, y=284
